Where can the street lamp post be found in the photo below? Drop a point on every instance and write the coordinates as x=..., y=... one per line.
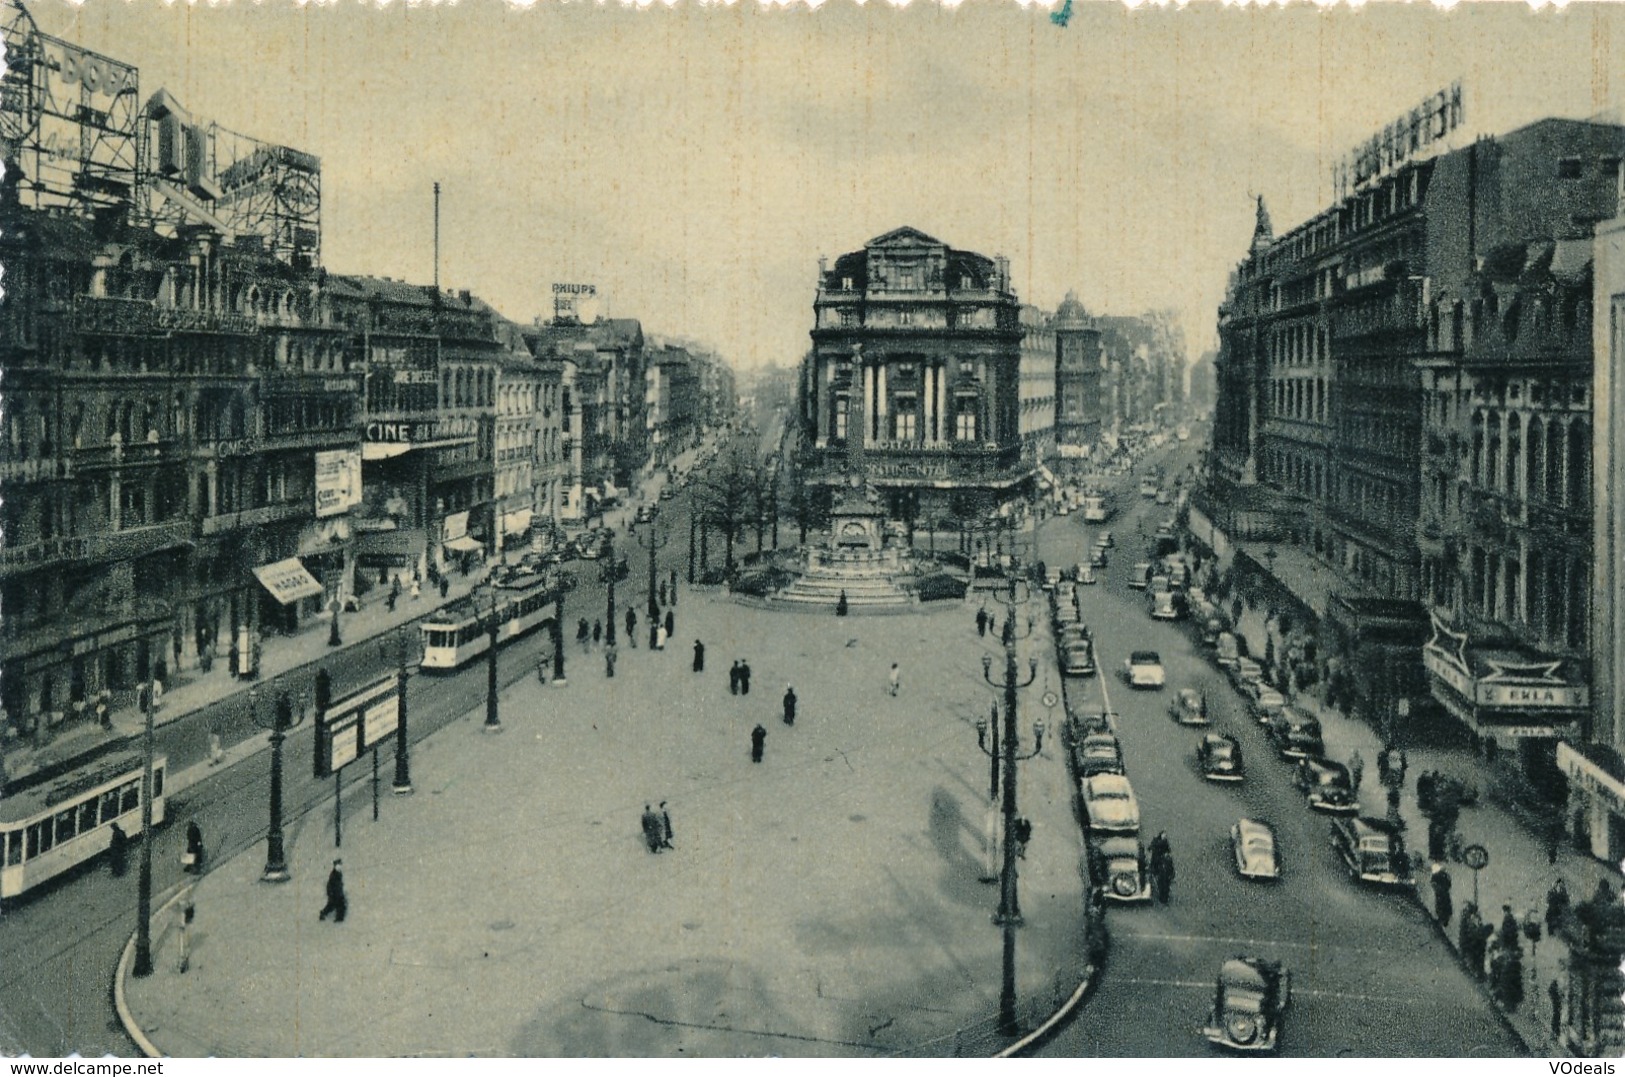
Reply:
x=609, y=576
x=558, y=637
x=656, y=542
x=282, y=720
x=403, y=764
x=692, y=521
x=1008, y=915
x=143, y=927
x=493, y=722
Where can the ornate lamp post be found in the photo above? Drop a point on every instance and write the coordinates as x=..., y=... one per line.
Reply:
x=654, y=544
x=1008, y=915
x=282, y=720
x=143, y=927
x=403, y=763
x=493, y=722
x=610, y=567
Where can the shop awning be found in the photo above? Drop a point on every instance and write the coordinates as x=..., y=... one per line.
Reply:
x=288, y=581
x=464, y=544
x=384, y=450
x=514, y=523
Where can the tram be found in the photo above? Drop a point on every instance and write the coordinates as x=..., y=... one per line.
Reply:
x=461, y=631
x=49, y=829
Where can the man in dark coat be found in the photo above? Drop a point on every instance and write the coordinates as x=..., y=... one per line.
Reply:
x=1511, y=933
x=840, y=604
x=1557, y=906
x=733, y=678
x=665, y=827
x=699, y=657
x=758, y=739
x=1443, y=906
x=744, y=678
x=981, y=622
x=651, y=829
x=194, y=848
x=597, y=632
x=631, y=626
x=789, y=705
x=610, y=655
x=118, y=852
x=337, y=903
x=1555, y=993
x=671, y=624
x=1162, y=867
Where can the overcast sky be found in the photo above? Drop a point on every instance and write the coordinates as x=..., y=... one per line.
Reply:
x=694, y=163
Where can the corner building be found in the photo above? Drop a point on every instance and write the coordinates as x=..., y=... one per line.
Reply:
x=931, y=338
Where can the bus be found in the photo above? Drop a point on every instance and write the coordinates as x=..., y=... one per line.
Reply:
x=52, y=828
x=1097, y=507
x=460, y=632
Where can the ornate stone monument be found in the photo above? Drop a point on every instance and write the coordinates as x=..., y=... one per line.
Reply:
x=856, y=522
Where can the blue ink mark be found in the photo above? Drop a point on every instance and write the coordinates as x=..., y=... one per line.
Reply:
x=1064, y=16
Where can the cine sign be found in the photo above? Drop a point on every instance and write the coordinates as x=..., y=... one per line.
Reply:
x=355, y=723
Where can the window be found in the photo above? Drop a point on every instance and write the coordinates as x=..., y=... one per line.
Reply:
x=1568, y=168
x=67, y=825
x=965, y=426
x=849, y=319
x=905, y=317
x=129, y=797
x=904, y=423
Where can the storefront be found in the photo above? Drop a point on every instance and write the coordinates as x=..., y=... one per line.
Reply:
x=1596, y=777
x=1511, y=696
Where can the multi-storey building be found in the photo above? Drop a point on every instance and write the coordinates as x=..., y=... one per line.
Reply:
x=1079, y=374
x=672, y=405
x=1039, y=362
x=928, y=340
x=519, y=405
x=1390, y=372
x=180, y=456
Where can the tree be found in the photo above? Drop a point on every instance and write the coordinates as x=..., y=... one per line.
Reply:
x=725, y=498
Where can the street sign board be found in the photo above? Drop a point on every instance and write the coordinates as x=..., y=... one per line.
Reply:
x=351, y=725
x=1476, y=857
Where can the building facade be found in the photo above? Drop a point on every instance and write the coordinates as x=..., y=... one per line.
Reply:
x=1039, y=363
x=927, y=340
x=1080, y=370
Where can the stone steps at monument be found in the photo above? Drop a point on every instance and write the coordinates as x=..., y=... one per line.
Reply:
x=833, y=586
x=819, y=598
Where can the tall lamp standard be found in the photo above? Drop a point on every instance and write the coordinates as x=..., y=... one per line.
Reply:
x=282, y=720
x=493, y=722
x=610, y=572
x=1008, y=915
x=143, y=927
x=656, y=542
x=403, y=764
x=558, y=635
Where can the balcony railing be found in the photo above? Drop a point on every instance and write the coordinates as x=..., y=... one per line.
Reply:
x=106, y=546
x=266, y=514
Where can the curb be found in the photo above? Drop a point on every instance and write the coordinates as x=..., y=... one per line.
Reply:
x=121, y=973
x=1482, y=988
x=1091, y=977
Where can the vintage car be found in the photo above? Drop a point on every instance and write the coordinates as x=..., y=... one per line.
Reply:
x=1052, y=576
x=1106, y=540
x=1219, y=756
x=1070, y=632
x=1212, y=629
x=1084, y=574
x=1066, y=613
x=1189, y=707
x=1140, y=575
x=1244, y=672
x=1097, y=753
x=1143, y=669
x=1118, y=866
x=1325, y=785
x=1227, y=650
x=1253, y=843
x=1078, y=658
x=1109, y=805
x=1372, y=849
x=1249, y=1000
x=1078, y=726
x=1296, y=734
x=1097, y=557
x=1263, y=701
x=1165, y=606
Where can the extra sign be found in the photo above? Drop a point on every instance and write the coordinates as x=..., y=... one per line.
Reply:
x=355, y=723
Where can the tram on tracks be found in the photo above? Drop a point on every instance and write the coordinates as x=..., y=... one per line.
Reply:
x=461, y=631
x=51, y=828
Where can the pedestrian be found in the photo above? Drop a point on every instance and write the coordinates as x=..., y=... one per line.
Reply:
x=445, y=585
x=417, y=589
x=597, y=632
x=733, y=678
x=651, y=829
x=1555, y=993
x=660, y=638
x=1022, y=831
x=609, y=661
x=631, y=626
x=654, y=633
x=1470, y=939
x=216, y=753
x=981, y=621
x=1162, y=867
x=665, y=827
x=744, y=678
x=1356, y=770
x=118, y=851
x=671, y=624
x=840, y=604
x=699, y=657
x=337, y=903
x=1510, y=933
x=789, y=705
x=185, y=913
x=1557, y=906
x=583, y=634
x=192, y=858
x=390, y=599
x=1443, y=906
x=758, y=739
x=894, y=679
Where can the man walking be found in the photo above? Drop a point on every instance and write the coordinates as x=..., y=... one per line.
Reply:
x=118, y=851
x=1162, y=867
x=597, y=632
x=699, y=657
x=665, y=827
x=337, y=903
x=744, y=677
x=789, y=705
x=651, y=829
x=894, y=679
x=981, y=621
x=733, y=678
x=1555, y=993
x=609, y=661
x=1443, y=907
x=671, y=624
x=758, y=739
x=631, y=626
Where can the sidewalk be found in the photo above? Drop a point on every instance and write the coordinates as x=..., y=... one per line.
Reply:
x=1518, y=873
x=823, y=902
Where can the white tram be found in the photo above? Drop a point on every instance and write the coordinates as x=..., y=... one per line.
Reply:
x=47, y=830
x=461, y=631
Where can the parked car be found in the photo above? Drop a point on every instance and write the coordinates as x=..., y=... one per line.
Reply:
x=1212, y=629
x=1097, y=557
x=1143, y=669
x=1097, y=753
x=1165, y=606
x=1227, y=652
x=1052, y=576
x=1189, y=707
x=1106, y=540
x=1245, y=672
x=1109, y=805
x=646, y=513
x=667, y=493
x=1066, y=613
x=1325, y=785
x=1078, y=726
x=1140, y=575
x=1118, y=864
x=1253, y=843
x=1297, y=735
x=1263, y=701
x=1249, y=1000
x=1373, y=850
x=1078, y=658
x=1085, y=574
x=1219, y=756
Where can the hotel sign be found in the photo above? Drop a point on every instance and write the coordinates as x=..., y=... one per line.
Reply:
x=1410, y=137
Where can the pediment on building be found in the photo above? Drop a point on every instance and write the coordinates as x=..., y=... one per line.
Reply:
x=904, y=237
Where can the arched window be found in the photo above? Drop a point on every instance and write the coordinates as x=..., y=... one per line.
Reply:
x=1476, y=462
x=1535, y=469
x=1579, y=474
x=1555, y=489
x=1492, y=454
x=1514, y=468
